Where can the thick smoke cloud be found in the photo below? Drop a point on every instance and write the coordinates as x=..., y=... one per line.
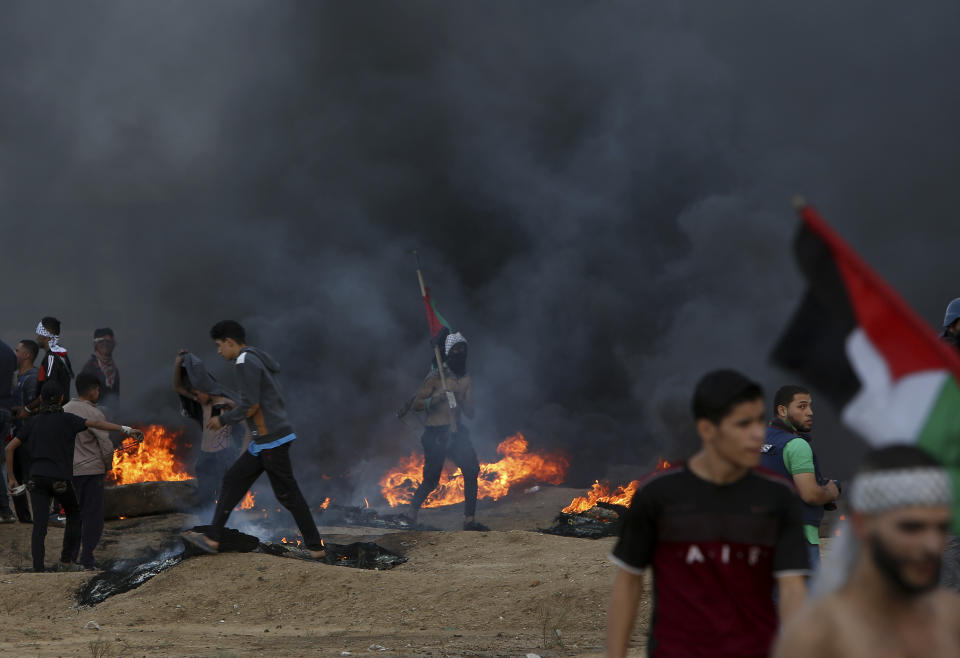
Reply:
x=599, y=193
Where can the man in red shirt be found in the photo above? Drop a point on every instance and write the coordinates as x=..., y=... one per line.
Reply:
x=719, y=536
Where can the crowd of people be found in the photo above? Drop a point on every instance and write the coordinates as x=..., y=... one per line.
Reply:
x=732, y=535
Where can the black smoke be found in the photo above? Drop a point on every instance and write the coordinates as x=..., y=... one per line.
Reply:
x=599, y=192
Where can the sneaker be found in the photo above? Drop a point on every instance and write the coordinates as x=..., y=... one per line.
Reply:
x=58, y=520
x=473, y=525
x=69, y=567
x=7, y=516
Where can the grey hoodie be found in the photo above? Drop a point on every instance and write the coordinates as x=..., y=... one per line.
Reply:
x=261, y=403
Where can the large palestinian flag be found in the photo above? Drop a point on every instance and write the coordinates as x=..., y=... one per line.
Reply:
x=858, y=342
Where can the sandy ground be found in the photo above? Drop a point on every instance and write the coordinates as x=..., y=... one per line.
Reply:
x=506, y=592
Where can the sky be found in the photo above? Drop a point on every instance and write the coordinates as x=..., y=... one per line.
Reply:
x=599, y=193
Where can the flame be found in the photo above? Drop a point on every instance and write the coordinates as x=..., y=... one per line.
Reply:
x=247, y=502
x=326, y=503
x=601, y=493
x=366, y=503
x=152, y=460
x=662, y=464
x=516, y=467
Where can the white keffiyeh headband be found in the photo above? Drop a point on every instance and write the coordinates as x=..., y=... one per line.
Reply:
x=452, y=340
x=879, y=491
x=42, y=331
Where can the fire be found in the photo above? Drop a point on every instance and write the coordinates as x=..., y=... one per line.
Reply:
x=152, y=460
x=516, y=467
x=601, y=493
x=326, y=503
x=248, y=501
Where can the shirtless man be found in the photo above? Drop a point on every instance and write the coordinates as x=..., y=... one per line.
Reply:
x=444, y=410
x=877, y=595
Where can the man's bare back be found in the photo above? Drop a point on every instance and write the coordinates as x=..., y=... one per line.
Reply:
x=848, y=624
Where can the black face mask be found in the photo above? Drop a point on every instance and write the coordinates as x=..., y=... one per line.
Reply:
x=457, y=362
x=890, y=566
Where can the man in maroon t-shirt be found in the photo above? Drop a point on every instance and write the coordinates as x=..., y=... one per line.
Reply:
x=719, y=536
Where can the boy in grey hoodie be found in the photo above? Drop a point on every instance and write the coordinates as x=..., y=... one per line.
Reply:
x=261, y=406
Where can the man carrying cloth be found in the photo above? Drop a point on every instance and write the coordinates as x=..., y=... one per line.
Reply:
x=877, y=592
x=719, y=536
x=261, y=405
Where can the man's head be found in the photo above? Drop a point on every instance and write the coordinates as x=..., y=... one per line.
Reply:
x=51, y=394
x=88, y=387
x=230, y=338
x=900, y=503
x=951, y=319
x=728, y=410
x=104, y=341
x=455, y=353
x=27, y=351
x=792, y=404
x=48, y=328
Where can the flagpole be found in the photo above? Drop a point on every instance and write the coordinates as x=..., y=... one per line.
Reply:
x=436, y=348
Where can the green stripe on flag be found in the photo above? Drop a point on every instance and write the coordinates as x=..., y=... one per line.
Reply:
x=940, y=437
x=442, y=320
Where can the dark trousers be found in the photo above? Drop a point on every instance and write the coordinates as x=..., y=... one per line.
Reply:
x=209, y=469
x=242, y=475
x=89, y=490
x=438, y=445
x=42, y=491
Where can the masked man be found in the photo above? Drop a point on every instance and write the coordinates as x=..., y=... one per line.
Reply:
x=102, y=366
x=444, y=410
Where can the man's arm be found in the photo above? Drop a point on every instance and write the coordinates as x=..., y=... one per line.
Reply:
x=792, y=593
x=622, y=613
x=798, y=459
x=812, y=493
x=425, y=398
x=808, y=634
x=11, y=478
x=178, y=385
x=466, y=399
x=248, y=376
x=113, y=427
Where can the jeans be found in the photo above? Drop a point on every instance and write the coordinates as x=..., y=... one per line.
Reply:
x=89, y=490
x=813, y=553
x=437, y=446
x=209, y=469
x=242, y=475
x=42, y=490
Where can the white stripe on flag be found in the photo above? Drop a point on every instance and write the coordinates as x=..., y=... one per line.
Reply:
x=886, y=411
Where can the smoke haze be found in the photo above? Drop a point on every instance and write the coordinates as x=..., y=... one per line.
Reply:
x=599, y=192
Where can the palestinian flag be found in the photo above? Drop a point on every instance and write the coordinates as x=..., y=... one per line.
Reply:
x=434, y=319
x=858, y=342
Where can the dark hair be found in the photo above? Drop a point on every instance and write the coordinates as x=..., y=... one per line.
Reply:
x=785, y=395
x=100, y=333
x=32, y=347
x=86, y=382
x=51, y=324
x=229, y=329
x=51, y=391
x=896, y=456
x=718, y=392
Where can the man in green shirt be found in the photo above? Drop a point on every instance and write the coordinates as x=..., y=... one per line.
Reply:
x=787, y=451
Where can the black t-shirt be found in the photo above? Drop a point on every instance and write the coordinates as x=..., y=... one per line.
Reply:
x=715, y=550
x=50, y=439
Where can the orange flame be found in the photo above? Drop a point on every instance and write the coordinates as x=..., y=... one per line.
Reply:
x=326, y=503
x=152, y=460
x=601, y=493
x=247, y=502
x=516, y=467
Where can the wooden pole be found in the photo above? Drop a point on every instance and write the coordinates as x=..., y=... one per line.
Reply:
x=436, y=349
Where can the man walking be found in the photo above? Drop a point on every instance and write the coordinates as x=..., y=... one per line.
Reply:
x=8, y=365
x=788, y=452
x=877, y=592
x=55, y=366
x=262, y=407
x=445, y=409
x=92, y=458
x=719, y=536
